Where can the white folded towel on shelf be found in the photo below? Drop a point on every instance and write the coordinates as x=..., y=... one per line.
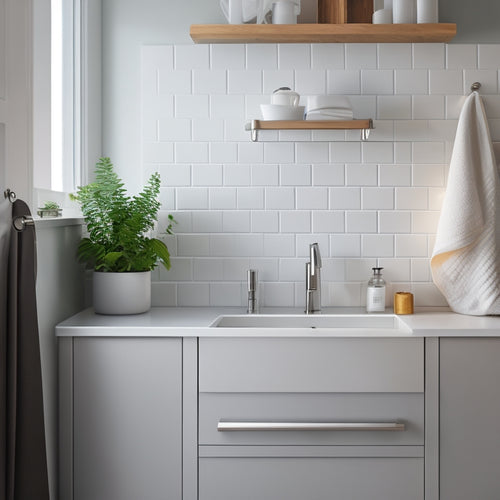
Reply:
x=328, y=107
x=330, y=114
x=465, y=261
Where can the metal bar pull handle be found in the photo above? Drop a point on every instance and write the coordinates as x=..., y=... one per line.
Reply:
x=228, y=425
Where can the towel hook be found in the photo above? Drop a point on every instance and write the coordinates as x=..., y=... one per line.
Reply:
x=475, y=86
x=10, y=195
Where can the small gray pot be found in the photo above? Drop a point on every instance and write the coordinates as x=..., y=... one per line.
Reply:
x=122, y=293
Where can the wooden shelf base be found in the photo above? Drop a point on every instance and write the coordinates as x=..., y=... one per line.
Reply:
x=322, y=33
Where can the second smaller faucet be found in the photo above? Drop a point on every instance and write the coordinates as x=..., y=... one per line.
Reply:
x=313, y=280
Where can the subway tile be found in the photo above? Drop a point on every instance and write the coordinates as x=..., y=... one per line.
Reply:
x=226, y=294
x=245, y=245
x=278, y=294
x=207, y=221
x=361, y=222
x=361, y=175
x=294, y=56
x=411, y=198
x=207, y=175
x=274, y=79
x=428, y=55
x=280, y=198
x=328, y=221
x=402, y=152
x=342, y=294
x=427, y=294
x=223, y=198
x=428, y=152
x=297, y=135
x=377, y=245
x=363, y=106
x=191, y=56
x=345, y=198
x=191, y=106
x=174, y=129
x=443, y=130
x=207, y=129
x=175, y=175
x=425, y=222
x=436, y=197
x=359, y=269
x=411, y=245
x=261, y=57
x=328, y=175
x=487, y=77
x=167, y=198
x=394, y=56
x=236, y=175
x=377, y=81
x=209, y=81
x=190, y=198
x=360, y=56
x=345, y=245
x=314, y=198
x=279, y=152
x=237, y=221
x=312, y=152
x=234, y=131
x=291, y=269
x=378, y=198
x=244, y=81
x=445, y=81
x=181, y=270
x=295, y=221
x=265, y=175
x=279, y=245
x=295, y=175
x=343, y=82
x=310, y=81
x=189, y=152
x=235, y=268
x=428, y=107
x=395, y=270
x=227, y=106
x=345, y=152
x=395, y=175
x=332, y=270
x=411, y=130
x=327, y=56
x=193, y=294
x=158, y=152
x=250, y=152
x=303, y=242
x=264, y=221
x=230, y=56
x=163, y=294
x=394, y=222
x=428, y=175
x=184, y=222
x=174, y=82
x=377, y=152
x=411, y=81
x=223, y=152
x=492, y=105
x=250, y=198
x=459, y=56
x=394, y=107
x=489, y=56
x=420, y=270
x=193, y=245
x=383, y=131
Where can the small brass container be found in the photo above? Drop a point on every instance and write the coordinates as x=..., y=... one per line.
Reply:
x=403, y=303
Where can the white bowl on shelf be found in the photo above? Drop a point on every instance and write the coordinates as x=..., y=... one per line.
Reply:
x=281, y=112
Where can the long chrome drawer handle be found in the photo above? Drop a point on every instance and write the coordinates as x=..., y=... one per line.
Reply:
x=226, y=425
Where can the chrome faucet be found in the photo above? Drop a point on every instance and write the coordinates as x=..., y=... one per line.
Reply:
x=252, y=291
x=313, y=280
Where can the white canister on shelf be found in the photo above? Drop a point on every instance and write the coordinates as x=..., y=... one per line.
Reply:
x=387, y=4
x=427, y=11
x=284, y=12
x=404, y=11
x=382, y=16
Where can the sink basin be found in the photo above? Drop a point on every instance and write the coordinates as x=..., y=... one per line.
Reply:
x=320, y=321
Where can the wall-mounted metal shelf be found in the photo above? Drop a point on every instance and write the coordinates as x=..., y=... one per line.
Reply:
x=323, y=33
x=363, y=125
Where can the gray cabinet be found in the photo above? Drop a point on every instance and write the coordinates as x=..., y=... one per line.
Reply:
x=121, y=401
x=469, y=418
x=320, y=383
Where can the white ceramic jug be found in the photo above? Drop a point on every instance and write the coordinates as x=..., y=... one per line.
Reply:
x=284, y=96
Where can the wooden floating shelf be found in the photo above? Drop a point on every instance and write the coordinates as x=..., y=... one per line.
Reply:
x=323, y=33
x=364, y=125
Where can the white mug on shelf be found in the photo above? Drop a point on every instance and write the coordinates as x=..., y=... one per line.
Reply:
x=284, y=96
x=382, y=16
x=284, y=12
x=404, y=11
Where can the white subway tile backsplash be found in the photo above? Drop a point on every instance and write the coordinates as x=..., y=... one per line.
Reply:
x=242, y=204
x=395, y=56
x=360, y=56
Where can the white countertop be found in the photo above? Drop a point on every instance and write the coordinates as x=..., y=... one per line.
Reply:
x=196, y=321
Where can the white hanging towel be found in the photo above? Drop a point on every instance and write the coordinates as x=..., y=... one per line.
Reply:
x=465, y=259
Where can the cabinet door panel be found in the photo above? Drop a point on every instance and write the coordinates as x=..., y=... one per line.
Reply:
x=127, y=419
x=311, y=478
x=311, y=365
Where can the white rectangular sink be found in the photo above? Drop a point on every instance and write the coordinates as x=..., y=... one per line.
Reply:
x=313, y=322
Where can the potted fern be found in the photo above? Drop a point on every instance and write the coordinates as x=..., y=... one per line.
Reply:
x=117, y=246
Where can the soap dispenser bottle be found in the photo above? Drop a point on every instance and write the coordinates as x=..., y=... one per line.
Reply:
x=375, y=293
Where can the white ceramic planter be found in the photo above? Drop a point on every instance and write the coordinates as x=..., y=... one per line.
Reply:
x=122, y=293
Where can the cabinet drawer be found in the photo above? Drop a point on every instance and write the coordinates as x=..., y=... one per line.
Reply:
x=295, y=410
x=311, y=365
x=356, y=478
